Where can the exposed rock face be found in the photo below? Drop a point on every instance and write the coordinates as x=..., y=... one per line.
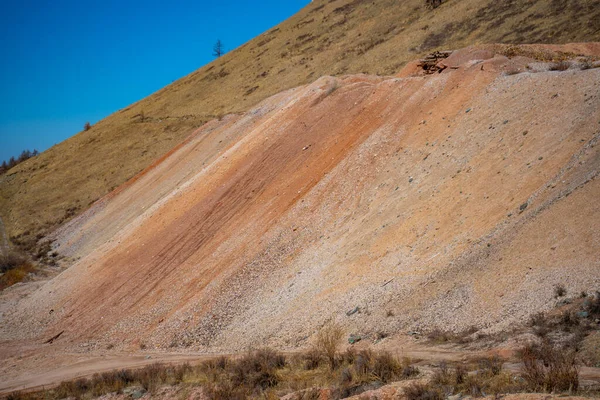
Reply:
x=367, y=193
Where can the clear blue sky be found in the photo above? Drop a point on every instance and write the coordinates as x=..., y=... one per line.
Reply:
x=65, y=62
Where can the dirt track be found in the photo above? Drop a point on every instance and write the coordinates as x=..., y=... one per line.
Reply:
x=73, y=366
x=34, y=372
x=86, y=366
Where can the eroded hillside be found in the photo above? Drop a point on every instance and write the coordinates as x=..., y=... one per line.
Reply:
x=325, y=38
x=390, y=204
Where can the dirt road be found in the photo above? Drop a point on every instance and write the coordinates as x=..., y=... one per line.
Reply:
x=35, y=371
x=85, y=366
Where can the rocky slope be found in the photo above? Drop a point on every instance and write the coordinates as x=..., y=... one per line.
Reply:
x=387, y=204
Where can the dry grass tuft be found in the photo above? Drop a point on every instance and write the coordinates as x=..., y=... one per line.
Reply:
x=328, y=342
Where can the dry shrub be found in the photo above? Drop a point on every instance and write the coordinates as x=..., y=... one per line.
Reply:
x=568, y=320
x=548, y=368
x=408, y=370
x=11, y=277
x=442, y=376
x=362, y=364
x=421, y=391
x=11, y=260
x=487, y=378
x=349, y=356
x=225, y=391
x=385, y=367
x=215, y=364
x=312, y=359
x=15, y=267
x=308, y=394
x=380, y=367
x=592, y=306
x=490, y=366
x=258, y=369
x=328, y=341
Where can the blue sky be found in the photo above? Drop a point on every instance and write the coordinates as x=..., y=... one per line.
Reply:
x=65, y=62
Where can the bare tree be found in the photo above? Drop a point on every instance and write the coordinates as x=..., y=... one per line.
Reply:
x=218, y=49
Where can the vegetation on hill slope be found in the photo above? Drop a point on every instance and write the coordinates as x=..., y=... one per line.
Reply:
x=326, y=37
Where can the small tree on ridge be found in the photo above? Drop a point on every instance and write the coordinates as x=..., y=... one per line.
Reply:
x=218, y=49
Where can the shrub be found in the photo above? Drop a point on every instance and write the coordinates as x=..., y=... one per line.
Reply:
x=225, y=391
x=87, y=126
x=568, y=320
x=491, y=366
x=15, y=267
x=592, y=306
x=548, y=368
x=12, y=260
x=421, y=391
x=408, y=370
x=349, y=355
x=559, y=291
x=385, y=367
x=431, y=4
x=328, y=341
x=258, y=369
x=312, y=359
x=362, y=364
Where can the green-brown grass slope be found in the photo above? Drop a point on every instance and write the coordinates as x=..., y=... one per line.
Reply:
x=326, y=37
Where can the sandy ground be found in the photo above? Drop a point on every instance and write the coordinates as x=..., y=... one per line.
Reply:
x=386, y=204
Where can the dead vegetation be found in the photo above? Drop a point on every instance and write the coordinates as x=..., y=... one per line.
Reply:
x=548, y=368
x=264, y=373
x=14, y=267
x=545, y=369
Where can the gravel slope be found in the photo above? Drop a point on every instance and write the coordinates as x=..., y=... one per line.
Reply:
x=445, y=201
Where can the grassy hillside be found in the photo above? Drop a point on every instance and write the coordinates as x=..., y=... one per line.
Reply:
x=327, y=37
